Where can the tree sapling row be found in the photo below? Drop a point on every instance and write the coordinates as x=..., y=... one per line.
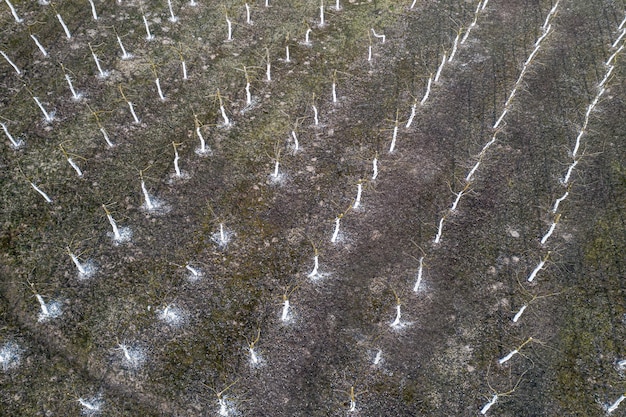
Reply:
x=546, y=28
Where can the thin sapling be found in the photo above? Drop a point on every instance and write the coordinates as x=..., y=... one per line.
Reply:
x=316, y=120
x=48, y=117
x=514, y=352
x=149, y=36
x=490, y=403
x=375, y=168
x=471, y=26
x=226, y=120
x=229, y=25
x=130, y=106
x=255, y=359
x=125, y=55
x=460, y=194
x=178, y=173
x=101, y=73
x=76, y=96
x=15, y=143
x=307, y=37
x=226, y=407
x=412, y=115
x=335, y=235
x=519, y=313
x=68, y=35
x=439, y=230
x=420, y=271
x=276, y=177
x=538, y=268
x=296, y=144
x=173, y=18
x=248, y=93
x=248, y=19
x=158, y=83
x=455, y=46
x=172, y=315
x=133, y=357
x=41, y=192
x=70, y=161
x=94, y=13
x=378, y=357
x=182, y=63
x=286, y=314
x=203, y=149
x=430, y=81
x=352, y=405
x=559, y=200
x=545, y=237
x=497, y=395
x=396, y=321
x=222, y=237
x=118, y=234
x=523, y=308
x=334, y=87
x=616, y=404
x=287, y=55
x=15, y=67
x=150, y=203
x=357, y=201
x=101, y=128
x=268, y=67
x=195, y=273
x=315, y=274
x=49, y=310
x=443, y=62
x=85, y=269
x=39, y=45
x=392, y=147
x=14, y=12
